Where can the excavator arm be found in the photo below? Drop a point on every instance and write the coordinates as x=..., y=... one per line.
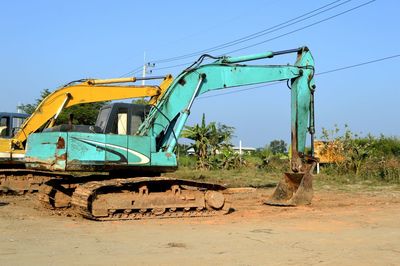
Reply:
x=168, y=117
x=87, y=91
x=170, y=114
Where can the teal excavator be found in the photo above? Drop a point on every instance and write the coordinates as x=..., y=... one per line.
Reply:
x=127, y=155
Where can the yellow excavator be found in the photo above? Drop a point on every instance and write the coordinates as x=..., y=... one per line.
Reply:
x=13, y=145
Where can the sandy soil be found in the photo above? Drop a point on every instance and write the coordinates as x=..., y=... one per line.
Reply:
x=339, y=228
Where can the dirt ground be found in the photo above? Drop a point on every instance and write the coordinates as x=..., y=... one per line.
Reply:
x=339, y=228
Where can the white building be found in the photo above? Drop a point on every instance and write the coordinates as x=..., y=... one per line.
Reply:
x=239, y=150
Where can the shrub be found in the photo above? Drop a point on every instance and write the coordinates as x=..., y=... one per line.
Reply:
x=367, y=157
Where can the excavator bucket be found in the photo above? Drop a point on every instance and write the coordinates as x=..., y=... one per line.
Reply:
x=294, y=189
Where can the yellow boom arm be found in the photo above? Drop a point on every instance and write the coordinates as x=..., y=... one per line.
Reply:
x=88, y=91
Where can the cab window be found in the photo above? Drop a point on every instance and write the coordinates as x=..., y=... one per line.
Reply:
x=4, y=130
x=136, y=121
x=120, y=125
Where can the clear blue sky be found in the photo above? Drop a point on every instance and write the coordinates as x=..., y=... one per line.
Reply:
x=44, y=44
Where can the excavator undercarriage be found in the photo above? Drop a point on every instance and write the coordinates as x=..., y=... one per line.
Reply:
x=136, y=198
x=100, y=197
x=21, y=181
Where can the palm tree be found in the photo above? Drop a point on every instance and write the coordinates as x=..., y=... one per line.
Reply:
x=220, y=137
x=200, y=134
x=208, y=139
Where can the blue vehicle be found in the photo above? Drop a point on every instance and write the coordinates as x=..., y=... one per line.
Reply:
x=10, y=123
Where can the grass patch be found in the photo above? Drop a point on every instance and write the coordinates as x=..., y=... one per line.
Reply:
x=258, y=178
x=351, y=183
x=230, y=178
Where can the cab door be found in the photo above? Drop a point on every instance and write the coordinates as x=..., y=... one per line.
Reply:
x=5, y=126
x=117, y=140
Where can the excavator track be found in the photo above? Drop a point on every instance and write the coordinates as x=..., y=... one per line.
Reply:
x=102, y=198
x=138, y=198
x=21, y=181
x=18, y=181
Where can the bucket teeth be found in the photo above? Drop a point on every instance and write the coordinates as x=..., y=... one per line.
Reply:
x=294, y=189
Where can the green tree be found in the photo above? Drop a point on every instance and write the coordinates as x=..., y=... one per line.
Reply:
x=228, y=159
x=354, y=149
x=200, y=134
x=142, y=101
x=181, y=149
x=84, y=114
x=220, y=137
x=278, y=147
x=31, y=107
x=207, y=140
x=265, y=155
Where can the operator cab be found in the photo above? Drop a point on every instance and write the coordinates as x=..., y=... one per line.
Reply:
x=116, y=118
x=10, y=123
x=121, y=118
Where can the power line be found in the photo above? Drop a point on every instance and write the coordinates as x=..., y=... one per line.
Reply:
x=173, y=66
x=287, y=33
x=134, y=71
x=357, y=65
x=245, y=38
x=256, y=34
x=317, y=74
x=279, y=36
x=305, y=27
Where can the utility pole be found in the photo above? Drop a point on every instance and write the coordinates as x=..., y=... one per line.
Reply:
x=240, y=152
x=146, y=70
x=19, y=110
